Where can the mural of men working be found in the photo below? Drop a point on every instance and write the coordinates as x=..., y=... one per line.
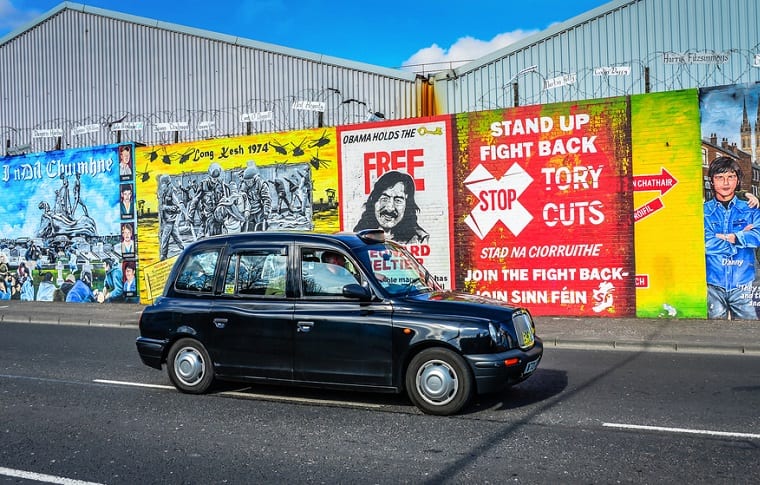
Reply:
x=169, y=211
x=259, y=202
x=391, y=206
x=195, y=205
x=732, y=233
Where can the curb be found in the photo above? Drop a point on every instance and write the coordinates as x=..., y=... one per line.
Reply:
x=59, y=321
x=638, y=346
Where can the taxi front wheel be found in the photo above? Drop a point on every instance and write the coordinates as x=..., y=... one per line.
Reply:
x=189, y=366
x=439, y=382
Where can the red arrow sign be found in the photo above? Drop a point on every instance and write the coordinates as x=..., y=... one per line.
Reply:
x=663, y=182
x=647, y=209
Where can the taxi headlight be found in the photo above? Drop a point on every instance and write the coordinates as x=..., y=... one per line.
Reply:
x=497, y=335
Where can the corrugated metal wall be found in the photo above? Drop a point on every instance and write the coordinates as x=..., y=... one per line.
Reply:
x=86, y=66
x=561, y=64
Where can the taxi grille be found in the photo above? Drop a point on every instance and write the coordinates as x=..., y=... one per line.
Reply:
x=524, y=329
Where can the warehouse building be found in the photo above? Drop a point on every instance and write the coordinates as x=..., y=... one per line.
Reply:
x=84, y=76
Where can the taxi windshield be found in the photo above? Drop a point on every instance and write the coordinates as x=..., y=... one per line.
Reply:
x=397, y=270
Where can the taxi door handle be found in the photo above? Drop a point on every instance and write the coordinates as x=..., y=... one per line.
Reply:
x=305, y=326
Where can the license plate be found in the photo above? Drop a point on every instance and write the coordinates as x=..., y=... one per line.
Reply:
x=531, y=367
x=527, y=338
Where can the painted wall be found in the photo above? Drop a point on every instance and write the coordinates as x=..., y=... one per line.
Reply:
x=61, y=219
x=730, y=118
x=397, y=175
x=188, y=191
x=667, y=194
x=540, y=194
x=591, y=208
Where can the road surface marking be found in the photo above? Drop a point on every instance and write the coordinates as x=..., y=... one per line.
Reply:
x=248, y=395
x=722, y=434
x=39, y=477
x=133, y=384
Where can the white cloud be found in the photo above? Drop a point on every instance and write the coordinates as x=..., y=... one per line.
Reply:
x=12, y=18
x=465, y=49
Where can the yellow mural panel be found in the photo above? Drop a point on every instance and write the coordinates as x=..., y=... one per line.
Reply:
x=189, y=191
x=669, y=234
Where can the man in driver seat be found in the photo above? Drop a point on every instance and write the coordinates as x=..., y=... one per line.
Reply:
x=333, y=258
x=329, y=276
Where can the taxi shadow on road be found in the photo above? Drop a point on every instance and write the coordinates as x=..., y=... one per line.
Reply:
x=543, y=385
x=312, y=396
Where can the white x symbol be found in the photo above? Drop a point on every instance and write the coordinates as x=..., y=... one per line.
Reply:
x=514, y=216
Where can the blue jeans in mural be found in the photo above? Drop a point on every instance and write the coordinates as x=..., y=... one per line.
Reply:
x=739, y=300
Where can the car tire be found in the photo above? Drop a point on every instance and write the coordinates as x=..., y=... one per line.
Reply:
x=189, y=366
x=439, y=382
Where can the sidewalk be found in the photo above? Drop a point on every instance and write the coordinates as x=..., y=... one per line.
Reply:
x=633, y=334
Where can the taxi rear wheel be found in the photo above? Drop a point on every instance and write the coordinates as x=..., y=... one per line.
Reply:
x=189, y=366
x=439, y=382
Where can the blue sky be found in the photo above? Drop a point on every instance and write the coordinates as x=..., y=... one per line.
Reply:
x=390, y=34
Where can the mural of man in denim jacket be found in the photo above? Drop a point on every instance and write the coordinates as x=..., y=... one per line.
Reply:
x=732, y=232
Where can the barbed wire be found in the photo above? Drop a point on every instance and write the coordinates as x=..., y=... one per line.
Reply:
x=649, y=74
x=219, y=122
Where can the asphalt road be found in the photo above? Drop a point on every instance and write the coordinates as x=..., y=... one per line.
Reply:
x=77, y=404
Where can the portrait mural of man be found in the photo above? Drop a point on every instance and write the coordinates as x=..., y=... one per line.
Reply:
x=127, y=239
x=732, y=234
x=392, y=207
x=126, y=202
x=396, y=176
x=730, y=148
x=125, y=162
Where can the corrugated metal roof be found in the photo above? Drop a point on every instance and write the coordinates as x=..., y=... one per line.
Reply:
x=620, y=48
x=96, y=67
x=230, y=39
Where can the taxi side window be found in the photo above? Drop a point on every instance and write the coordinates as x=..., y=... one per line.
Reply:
x=197, y=274
x=326, y=272
x=260, y=272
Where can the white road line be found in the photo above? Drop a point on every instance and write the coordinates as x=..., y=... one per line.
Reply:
x=248, y=395
x=39, y=477
x=722, y=434
x=132, y=384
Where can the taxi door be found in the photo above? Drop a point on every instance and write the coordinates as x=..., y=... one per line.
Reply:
x=337, y=339
x=252, y=317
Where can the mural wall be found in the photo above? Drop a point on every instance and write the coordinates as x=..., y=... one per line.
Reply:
x=593, y=208
x=397, y=176
x=540, y=191
x=188, y=191
x=730, y=156
x=64, y=233
x=667, y=196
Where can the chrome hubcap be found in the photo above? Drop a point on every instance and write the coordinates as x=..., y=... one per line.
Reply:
x=189, y=366
x=437, y=382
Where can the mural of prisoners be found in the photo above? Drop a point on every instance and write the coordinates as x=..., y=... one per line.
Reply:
x=643, y=205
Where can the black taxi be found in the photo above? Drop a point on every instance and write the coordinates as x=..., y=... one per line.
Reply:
x=343, y=311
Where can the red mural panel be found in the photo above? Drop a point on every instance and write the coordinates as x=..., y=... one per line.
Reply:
x=543, y=208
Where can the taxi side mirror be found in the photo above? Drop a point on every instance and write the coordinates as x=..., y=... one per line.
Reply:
x=357, y=291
